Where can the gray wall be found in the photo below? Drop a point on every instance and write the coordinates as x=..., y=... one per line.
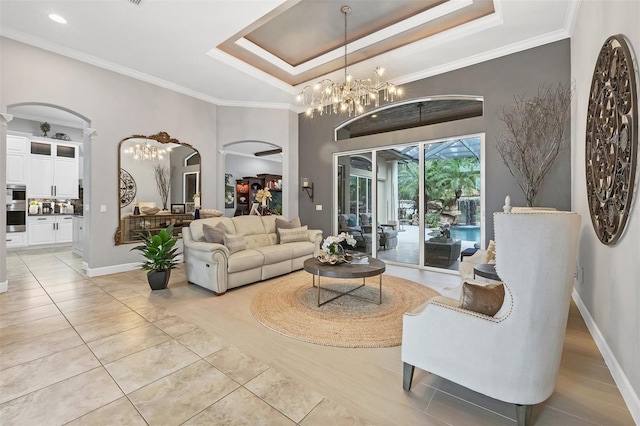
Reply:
x=610, y=285
x=497, y=81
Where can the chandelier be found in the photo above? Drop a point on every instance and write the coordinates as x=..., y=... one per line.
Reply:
x=147, y=152
x=351, y=96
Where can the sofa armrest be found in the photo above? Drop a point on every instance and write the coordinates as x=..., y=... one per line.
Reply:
x=206, y=247
x=315, y=236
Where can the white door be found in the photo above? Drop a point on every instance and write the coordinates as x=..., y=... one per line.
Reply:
x=16, y=168
x=65, y=178
x=41, y=230
x=41, y=177
x=64, y=231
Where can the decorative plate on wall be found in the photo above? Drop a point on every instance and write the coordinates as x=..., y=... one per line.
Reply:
x=127, y=188
x=612, y=139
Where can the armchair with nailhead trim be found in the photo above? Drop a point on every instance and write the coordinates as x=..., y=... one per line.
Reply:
x=513, y=356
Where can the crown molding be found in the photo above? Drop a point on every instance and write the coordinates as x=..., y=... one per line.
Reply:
x=572, y=16
x=101, y=63
x=486, y=56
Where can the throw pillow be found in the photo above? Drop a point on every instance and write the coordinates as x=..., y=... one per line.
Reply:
x=351, y=222
x=293, y=235
x=491, y=252
x=234, y=242
x=283, y=224
x=485, y=300
x=205, y=213
x=215, y=234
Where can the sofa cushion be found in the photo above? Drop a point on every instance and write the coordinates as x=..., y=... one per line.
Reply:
x=482, y=299
x=245, y=260
x=284, y=224
x=275, y=254
x=293, y=235
x=215, y=234
x=197, y=233
x=301, y=248
x=258, y=240
x=249, y=225
x=234, y=243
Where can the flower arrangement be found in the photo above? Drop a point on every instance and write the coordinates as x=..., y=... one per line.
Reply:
x=331, y=244
x=263, y=195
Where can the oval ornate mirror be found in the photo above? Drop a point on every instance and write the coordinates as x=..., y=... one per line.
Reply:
x=160, y=176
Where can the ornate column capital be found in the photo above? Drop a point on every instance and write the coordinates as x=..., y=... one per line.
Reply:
x=90, y=132
x=6, y=118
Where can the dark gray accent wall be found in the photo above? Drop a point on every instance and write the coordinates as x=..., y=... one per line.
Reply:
x=497, y=80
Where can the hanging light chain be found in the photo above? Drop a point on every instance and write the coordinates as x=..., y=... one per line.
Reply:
x=351, y=96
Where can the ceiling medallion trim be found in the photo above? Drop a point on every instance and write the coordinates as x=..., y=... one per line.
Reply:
x=611, y=148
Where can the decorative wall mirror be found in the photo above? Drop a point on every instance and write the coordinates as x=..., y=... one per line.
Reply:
x=157, y=180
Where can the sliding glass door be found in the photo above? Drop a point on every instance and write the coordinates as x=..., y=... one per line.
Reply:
x=422, y=206
x=355, y=199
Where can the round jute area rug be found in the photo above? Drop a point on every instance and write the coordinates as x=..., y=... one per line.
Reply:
x=288, y=305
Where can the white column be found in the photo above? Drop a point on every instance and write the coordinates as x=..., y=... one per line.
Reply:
x=4, y=119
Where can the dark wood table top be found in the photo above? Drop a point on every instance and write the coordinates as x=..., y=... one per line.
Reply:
x=486, y=270
x=344, y=270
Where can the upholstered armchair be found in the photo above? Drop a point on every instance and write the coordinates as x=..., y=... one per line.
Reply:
x=513, y=356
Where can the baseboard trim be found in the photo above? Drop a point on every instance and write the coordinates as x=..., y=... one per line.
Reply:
x=113, y=269
x=4, y=287
x=628, y=394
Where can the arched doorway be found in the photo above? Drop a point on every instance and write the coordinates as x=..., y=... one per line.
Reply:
x=43, y=125
x=250, y=166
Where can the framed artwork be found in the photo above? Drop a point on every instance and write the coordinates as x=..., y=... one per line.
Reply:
x=177, y=208
x=229, y=196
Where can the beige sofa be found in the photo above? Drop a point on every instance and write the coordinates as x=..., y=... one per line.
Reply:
x=212, y=266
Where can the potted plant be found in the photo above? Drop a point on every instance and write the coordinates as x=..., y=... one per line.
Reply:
x=160, y=255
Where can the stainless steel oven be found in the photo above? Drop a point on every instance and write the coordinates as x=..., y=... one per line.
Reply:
x=16, y=208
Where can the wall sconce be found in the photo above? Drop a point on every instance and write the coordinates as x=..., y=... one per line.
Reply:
x=308, y=187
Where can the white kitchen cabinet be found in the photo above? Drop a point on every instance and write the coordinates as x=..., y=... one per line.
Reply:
x=41, y=177
x=16, y=239
x=53, y=170
x=50, y=229
x=41, y=230
x=17, y=159
x=64, y=229
x=78, y=235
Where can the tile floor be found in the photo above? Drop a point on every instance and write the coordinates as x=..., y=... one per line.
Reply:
x=107, y=350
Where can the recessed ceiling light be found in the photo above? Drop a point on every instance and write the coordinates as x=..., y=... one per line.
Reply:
x=374, y=116
x=57, y=18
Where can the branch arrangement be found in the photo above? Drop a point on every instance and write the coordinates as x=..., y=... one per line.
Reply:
x=163, y=181
x=535, y=136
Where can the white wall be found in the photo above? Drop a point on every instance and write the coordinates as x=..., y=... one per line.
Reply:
x=277, y=127
x=119, y=106
x=610, y=287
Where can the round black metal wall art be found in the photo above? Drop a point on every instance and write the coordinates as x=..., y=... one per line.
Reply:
x=127, y=188
x=612, y=139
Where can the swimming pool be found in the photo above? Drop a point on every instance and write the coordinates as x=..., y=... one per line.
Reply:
x=466, y=233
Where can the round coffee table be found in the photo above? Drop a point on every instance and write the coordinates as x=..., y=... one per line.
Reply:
x=345, y=271
x=486, y=270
